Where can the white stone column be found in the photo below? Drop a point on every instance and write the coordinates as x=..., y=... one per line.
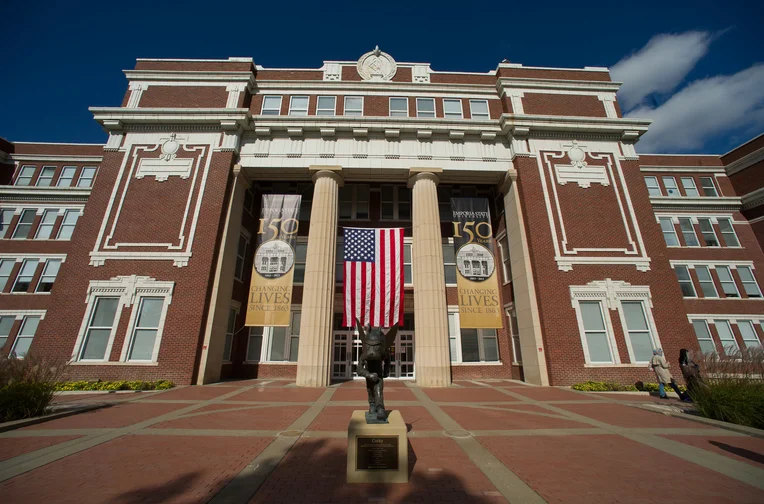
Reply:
x=432, y=356
x=523, y=286
x=211, y=358
x=314, y=357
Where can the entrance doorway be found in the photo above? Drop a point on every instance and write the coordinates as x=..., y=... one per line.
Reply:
x=346, y=346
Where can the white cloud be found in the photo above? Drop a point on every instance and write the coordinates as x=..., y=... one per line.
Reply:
x=660, y=66
x=703, y=109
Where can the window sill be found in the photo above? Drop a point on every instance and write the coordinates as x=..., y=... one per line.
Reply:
x=112, y=363
x=25, y=293
x=629, y=365
x=495, y=363
x=269, y=363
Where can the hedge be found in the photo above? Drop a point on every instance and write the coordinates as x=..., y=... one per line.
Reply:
x=601, y=386
x=114, y=385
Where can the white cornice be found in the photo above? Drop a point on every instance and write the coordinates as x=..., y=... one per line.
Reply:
x=372, y=88
x=234, y=59
x=630, y=129
x=528, y=84
x=745, y=161
x=205, y=78
x=33, y=193
x=375, y=123
x=699, y=203
x=117, y=118
x=692, y=169
x=753, y=199
x=54, y=158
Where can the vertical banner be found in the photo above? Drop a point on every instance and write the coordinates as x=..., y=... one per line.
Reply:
x=476, y=278
x=270, y=292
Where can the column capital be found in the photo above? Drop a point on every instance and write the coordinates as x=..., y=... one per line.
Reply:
x=424, y=173
x=332, y=171
x=509, y=178
x=240, y=176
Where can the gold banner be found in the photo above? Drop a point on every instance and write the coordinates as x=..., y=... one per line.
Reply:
x=270, y=292
x=476, y=277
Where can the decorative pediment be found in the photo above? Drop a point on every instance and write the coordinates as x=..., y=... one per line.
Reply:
x=377, y=66
x=168, y=164
x=130, y=287
x=579, y=170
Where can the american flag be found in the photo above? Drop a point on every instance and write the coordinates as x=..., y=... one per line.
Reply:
x=373, y=283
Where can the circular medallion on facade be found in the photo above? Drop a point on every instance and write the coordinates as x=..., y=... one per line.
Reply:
x=377, y=66
x=475, y=262
x=274, y=259
x=170, y=147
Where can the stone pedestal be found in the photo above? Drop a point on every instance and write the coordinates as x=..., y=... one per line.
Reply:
x=377, y=453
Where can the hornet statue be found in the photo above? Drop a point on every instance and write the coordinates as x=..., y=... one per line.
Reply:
x=374, y=365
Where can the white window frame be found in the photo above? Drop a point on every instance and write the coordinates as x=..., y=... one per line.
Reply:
x=270, y=110
x=4, y=337
x=420, y=113
x=752, y=281
x=672, y=231
x=132, y=324
x=449, y=242
x=614, y=356
x=506, y=267
x=82, y=176
x=732, y=342
x=21, y=271
x=688, y=233
x=651, y=329
x=267, y=341
x=24, y=211
x=688, y=281
x=454, y=310
x=688, y=184
x=726, y=234
x=675, y=188
x=711, y=232
x=89, y=314
x=517, y=352
x=396, y=202
x=713, y=187
x=230, y=332
x=398, y=113
x=241, y=259
x=5, y=225
x=64, y=224
x=46, y=275
x=453, y=114
x=293, y=110
x=10, y=262
x=656, y=187
x=408, y=244
x=22, y=176
x=354, y=112
x=354, y=203
x=54, y=212
x=19, y=335
x=62, y=177
x=747, y=341
x=42, y=176
x=710, y=281
x=708, y=331
x=326, y=111
x=302, y=243
x=483, y=116
x=731, y=281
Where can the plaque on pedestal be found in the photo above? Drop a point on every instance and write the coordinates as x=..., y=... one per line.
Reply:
x=377, y=453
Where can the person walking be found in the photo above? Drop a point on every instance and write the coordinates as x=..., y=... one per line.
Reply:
x=660, y=367
x=690, y=372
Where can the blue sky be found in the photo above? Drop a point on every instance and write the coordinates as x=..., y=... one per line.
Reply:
x=696, y=68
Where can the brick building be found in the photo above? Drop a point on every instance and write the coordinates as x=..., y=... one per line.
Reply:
x=134, y=258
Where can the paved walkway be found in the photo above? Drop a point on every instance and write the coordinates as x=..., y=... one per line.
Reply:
x=266, y=441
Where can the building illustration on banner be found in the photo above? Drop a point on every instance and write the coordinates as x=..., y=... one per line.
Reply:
x=274, y=259
x=475, y=262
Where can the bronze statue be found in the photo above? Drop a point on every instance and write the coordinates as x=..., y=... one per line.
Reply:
x=374, y=365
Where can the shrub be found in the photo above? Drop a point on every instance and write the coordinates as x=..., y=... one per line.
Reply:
x=732, y=387
x=594, y=386
x=115, y=385
x=28, y=385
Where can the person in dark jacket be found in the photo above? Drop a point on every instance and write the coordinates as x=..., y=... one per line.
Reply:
x=690, y=371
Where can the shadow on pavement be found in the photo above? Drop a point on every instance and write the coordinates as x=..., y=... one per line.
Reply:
x=741, y=452
x=171, y=491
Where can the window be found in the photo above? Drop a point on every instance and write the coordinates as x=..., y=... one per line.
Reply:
x=638, y=331
x=278, y=344
x=688, y=183
x=705, y=340
x=45, y=229
x=86, y=177
x=408, y=278
x=399, y=107
x=688, y=232
x=26, y=273
x=229, y=332
x=24, y=225
x=49, y=273
x=395, y=203
x=503, y=244
x=595, y=332
x=728, y=233
x=144, y=336
x=249, y=200
x=444, y=203
x=306, y=202
x=99, y=328
x=25, y=336
x=66, y=177
x=271, y=105
x=747, y=331
x=670, y=184
x=471, y=345
x=452, y=109
x=706, y=282
x=728, y=283
x=653, y=189
x=301, y=253
x=339, y=264
x=449, y=263
x=750, y=286
x=67, y=225
x=479, y=109
x=669, y=231
x=708, y=233
x=6, y=325
x=425, y=107
x=25, y=176
x=6, y=215
x=298, y=106
x=353, y=105
x=726, y=337
x=453, y=336
x=294, y=336
x=254, y=344
x=327, y=106
x=46, y=176
x=354, y=201
x=516, y=348
x=241, y=254
x=708, y=187
x=6, y=266
x=685, y=281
